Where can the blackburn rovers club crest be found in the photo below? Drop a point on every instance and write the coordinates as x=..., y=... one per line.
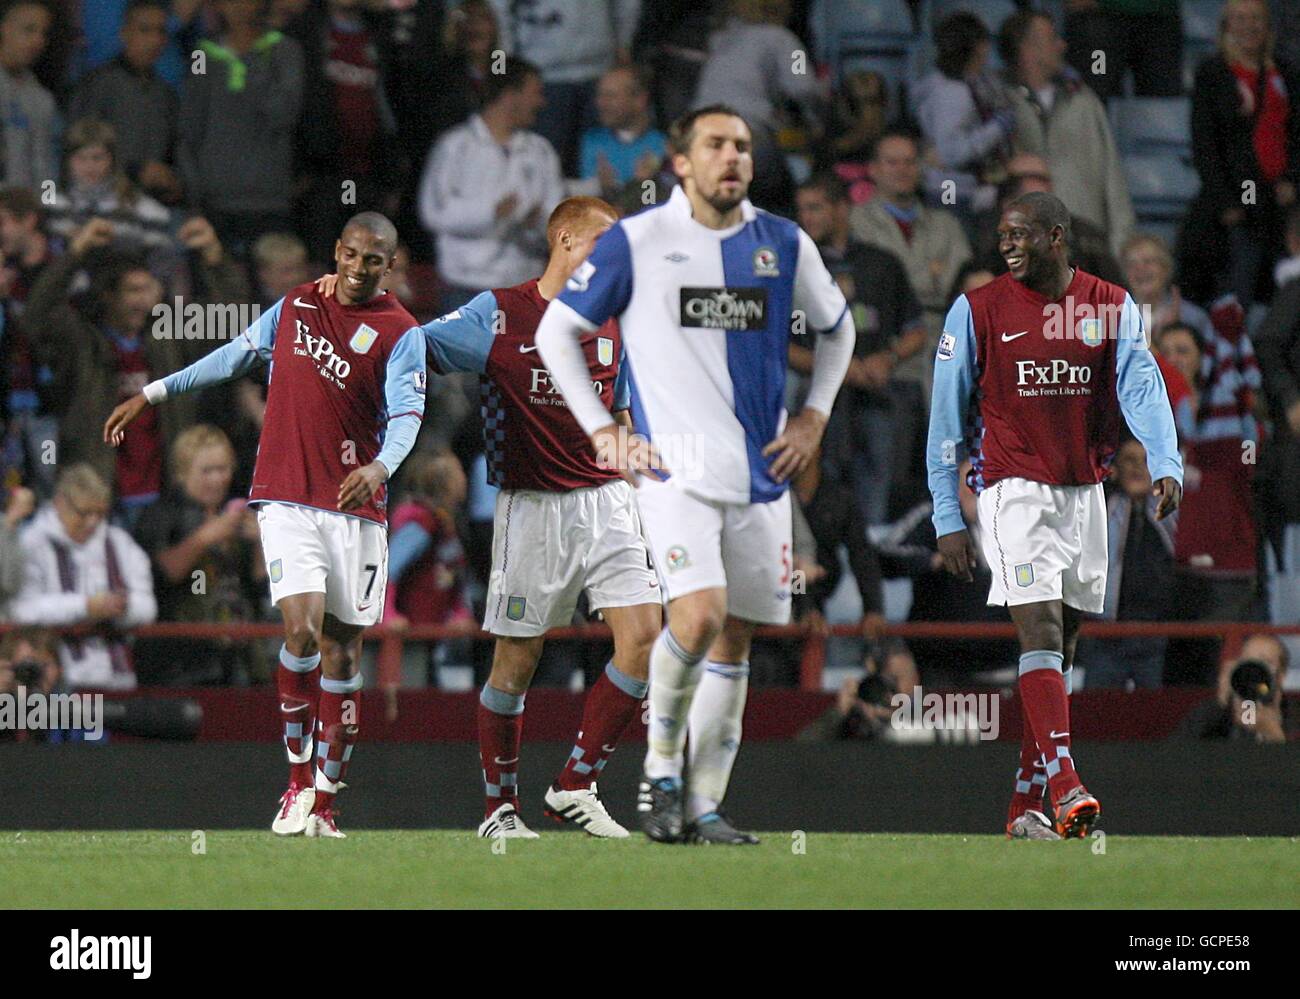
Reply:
x=1090, y=332
x=276, y=569
x=363, y=338
x=515, y=608
x=677, y=558
x=765, y=262
x=605, y=350
x=1024, y=574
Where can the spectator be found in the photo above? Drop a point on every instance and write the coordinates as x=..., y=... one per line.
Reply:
x=672, y=41
x=966, y=116
x=100, y=354
x=859, y=109
x=101, y=25
x=863, y=708
x=80, y=570
x=207, y=566
x=1246, y=149
x=141, y=106
x=1089, y=247
x=94, y=186
x=571, y=42
x=1060, y=119
x=1217, y=540
x=29, y=130
x=488, y=189
x=757, y=66
x=1278, y=342
x=29, y=402
x=346, y=141
x=280, y=264
x=624, y=147
x=1105, y=39
x=1140, y=581
x=1148, y=275
x=929, y=241
x=426, y=562
x=20, y=502
x=29, y=658
x=878, y=418
x=471, y=39
x=237, y=127
x=1247, y=706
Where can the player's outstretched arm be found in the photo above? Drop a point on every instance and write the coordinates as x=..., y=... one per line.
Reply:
x=954, y=379
x=1145, y=405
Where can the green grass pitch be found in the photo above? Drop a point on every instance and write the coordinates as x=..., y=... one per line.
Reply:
x=438, y=869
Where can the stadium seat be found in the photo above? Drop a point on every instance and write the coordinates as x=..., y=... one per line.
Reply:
x=859, y=29
x=1145, y=125
x=1161, y=185
x=991, y=12
x=1201, y=22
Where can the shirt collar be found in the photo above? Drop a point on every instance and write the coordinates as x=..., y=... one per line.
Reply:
x=680, y=203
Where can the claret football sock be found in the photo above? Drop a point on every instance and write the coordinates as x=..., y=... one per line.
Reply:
x=298, y=681
x=500, y=726
x=715, y=728
x=1043, y=699
x=611, y=705
x=674, y=674
x=1031, y=780
x=336, y=735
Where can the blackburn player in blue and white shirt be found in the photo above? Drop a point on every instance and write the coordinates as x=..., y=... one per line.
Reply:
x=706, y=289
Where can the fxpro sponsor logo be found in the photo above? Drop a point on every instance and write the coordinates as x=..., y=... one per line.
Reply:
x=724, y=308
x=542, y=390
x=950, y=717
x=1052, y=377
x=181, y=320
x=21, y=711
x=329, y=365
x=102, y=953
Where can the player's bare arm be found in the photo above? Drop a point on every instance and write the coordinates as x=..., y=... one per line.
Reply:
x=1170, y=493
x=958, y=553
x=121, y=417
x=797, y=444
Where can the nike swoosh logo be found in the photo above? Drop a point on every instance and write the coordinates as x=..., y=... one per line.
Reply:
x=1057, y=735
x=285, y=707
x=1008, y=337
x=503, y=763
x=527, y=350
x=303, y=305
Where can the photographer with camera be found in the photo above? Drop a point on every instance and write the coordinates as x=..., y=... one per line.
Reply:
x=29, y=660
x=863, y=709
x=1248, y=704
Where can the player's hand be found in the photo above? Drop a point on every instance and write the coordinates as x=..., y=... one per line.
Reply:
x=94, y=234
x=797, y=444
x=116, y=424
x=958, y=553
x=1170, y=493
x=361, y=485
x=325, y=284
x=628, y=453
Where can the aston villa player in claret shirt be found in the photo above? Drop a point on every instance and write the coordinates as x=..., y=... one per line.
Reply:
x=344, y=404
x=563, y=525
x=1034, y=376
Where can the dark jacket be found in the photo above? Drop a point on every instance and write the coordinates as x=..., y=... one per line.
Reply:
x=141, y=107
x=85, y=368
x=834, y=519
x=1277, y=347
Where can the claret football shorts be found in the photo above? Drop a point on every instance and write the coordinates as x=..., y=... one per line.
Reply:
x=315, y=551
x=699, y=544
x=1045, y=542
x=547, y=547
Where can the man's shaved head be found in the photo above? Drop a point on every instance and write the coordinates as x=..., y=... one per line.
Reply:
x=1047, y=210
x=377, y=225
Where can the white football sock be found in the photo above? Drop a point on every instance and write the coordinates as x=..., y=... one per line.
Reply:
x=715, y=727
x=674, y=673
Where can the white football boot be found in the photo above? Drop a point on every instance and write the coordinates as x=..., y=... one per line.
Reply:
x=505, y=823
x=584, y=809
x=295, y=806
x=320, y=825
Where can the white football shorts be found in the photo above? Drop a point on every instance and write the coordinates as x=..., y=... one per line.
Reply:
x=1045, y=542
x=700, y=544
x=547, y=547
x=315, y=551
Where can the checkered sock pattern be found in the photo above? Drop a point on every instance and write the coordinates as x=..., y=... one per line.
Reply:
x=500, y=727
x=297, y=679
x=336, y=734
x=1042, y=693
x=1031, y=781
x=611, y=705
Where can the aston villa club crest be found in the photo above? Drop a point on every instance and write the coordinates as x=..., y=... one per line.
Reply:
x=276, y=570
x=515, y=607
x=605, y=350
x=363, y=339
x=1090, y=332
x=766, y=263
x=1025, y=574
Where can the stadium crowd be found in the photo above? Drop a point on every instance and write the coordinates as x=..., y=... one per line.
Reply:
x=168, y=166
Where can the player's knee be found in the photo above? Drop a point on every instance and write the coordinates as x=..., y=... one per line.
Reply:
x=301, y=638
x=695, y=631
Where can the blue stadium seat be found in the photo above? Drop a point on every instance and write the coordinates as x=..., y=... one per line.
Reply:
x=859, y=27
x=991, y=12
x=1161, y=185
x=1201, y=22
x=1145, y=125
